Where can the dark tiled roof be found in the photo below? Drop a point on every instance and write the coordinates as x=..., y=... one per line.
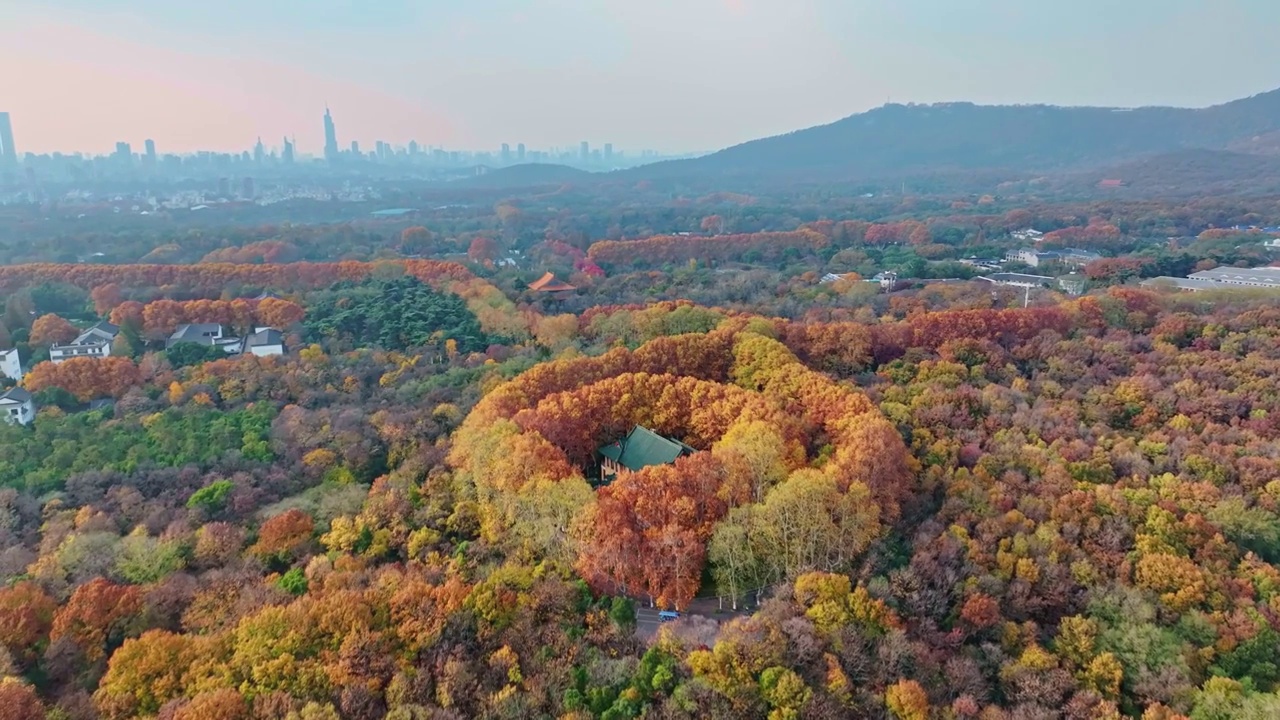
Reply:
x=16, y=394
x=265, y=336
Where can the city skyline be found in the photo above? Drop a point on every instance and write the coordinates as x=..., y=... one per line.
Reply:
x=332, y=150
x=673, y=75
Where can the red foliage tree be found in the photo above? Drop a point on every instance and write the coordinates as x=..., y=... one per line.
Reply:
x=50, y=328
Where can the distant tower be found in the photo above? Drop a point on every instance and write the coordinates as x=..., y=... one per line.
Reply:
x=124, y=154
x=150, y=157
x=585, y=153
x=608, y=151
x=413, y=148
x=355, y=148
x=259, y=152
x=8, y=151
x=520, y=152
x=506, y=154
x=287, y=154
x=330, y=138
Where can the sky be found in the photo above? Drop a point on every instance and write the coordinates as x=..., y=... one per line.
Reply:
x=669, y=75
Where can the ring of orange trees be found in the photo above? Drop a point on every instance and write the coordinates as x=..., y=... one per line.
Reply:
x=742, y=399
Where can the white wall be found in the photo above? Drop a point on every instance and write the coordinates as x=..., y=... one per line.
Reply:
x=26, y=412
x=10, y=365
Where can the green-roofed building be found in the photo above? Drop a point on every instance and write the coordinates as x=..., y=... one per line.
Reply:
x=641, y=448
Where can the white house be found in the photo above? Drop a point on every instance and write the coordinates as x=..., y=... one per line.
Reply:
x=10, y=365
x=94, y=342
x=264, y=341
x=16, y=406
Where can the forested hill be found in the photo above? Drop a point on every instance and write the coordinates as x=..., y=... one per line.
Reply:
x=913, y=139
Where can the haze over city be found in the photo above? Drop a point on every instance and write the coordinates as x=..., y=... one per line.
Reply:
x=673, y=75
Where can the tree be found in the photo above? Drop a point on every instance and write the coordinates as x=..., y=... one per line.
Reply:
x=907, y=700
x=280, y=314
x=26, y=615
x=284, y=537
x=482, y=250
x=20, y=701
x=106, y=298
x=417, y=241
x=49, y=329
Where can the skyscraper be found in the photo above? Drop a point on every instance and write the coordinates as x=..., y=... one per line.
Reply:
x=151, y=152
x=259, y=152
x=124, y=154
x=520, y=152
x=287, y=154
x=355, y=148
x=586, y=151
x=8, y=152
x=330, y=138
x=506, y=154
x=608, y=152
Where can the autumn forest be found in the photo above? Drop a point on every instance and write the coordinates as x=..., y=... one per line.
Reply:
x=901, y=489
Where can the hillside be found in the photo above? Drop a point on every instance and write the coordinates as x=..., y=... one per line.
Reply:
x=902, y=140
x=1185, y=172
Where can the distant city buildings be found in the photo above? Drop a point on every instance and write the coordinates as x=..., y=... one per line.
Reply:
x=330, y=138
x=150, y=157
x=8, y=151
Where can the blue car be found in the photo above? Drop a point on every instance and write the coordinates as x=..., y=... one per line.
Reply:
x=668, y=616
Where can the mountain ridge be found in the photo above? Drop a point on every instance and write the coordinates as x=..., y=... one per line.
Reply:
x=897, y=139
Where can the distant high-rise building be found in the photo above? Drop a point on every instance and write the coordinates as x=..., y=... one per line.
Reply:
x=608, y=151
x=355, y=148
x=330, y=138
x=520, y=152
x=413, y=148
x=246, y=188
x=506, y=154
x=259, y=152
x=287, y=154
x=585, y=152
x=8, y=151
x=124, y=153
x=151, y=152
x=384, y=150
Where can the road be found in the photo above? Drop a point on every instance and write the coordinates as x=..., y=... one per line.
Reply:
x=647, y=622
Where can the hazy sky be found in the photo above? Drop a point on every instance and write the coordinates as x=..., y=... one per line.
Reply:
x=666, y=74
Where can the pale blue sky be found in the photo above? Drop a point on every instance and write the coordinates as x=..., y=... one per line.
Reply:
x=667, y=74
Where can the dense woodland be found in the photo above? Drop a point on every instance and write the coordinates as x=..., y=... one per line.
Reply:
x=943, y=500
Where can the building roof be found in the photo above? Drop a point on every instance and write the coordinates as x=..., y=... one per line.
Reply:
x=196, y=333
x=643, y=447
x=1188, y=283
x=549, y=283
x=1241, y=276
x=16, y=394
x=1008, y=278
x=106, y=327
x=265, y=336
